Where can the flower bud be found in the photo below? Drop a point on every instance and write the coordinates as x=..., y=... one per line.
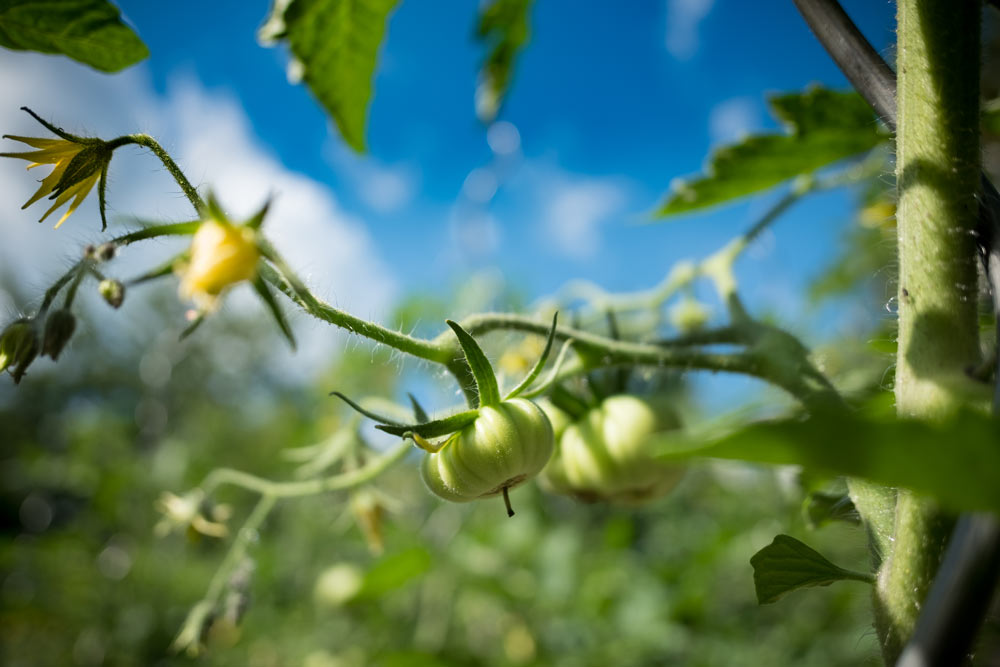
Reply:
x=112, y=291
x=105, y=252
x=18, y=347
x=59, y=328
x=222, y=254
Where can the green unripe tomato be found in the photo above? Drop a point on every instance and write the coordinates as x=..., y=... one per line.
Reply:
x=605, y=455
x=506, y=445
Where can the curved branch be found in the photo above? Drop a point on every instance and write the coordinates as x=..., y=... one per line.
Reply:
x=854, y=55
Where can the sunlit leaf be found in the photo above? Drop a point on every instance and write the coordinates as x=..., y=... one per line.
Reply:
x=504, y=26
x=88, y=31
x=336, y=44
x=824, y=127
x=954, y=461
x=786, y=564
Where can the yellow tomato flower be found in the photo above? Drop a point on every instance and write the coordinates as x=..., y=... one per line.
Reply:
x=61, y=152
x=222, y=254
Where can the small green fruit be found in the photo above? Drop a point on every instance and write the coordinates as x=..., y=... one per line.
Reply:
x=507, y=444
x=605, y=455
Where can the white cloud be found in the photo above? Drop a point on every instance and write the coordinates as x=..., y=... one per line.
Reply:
x=210, y=136
x=575, y=210
x=683, y=20
x=732, y=119
x=383, y=188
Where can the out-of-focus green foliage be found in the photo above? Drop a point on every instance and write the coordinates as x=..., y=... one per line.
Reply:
x=335, y=42
x=505, y=27
x=825, y=126
x=894, y=452
x=88, y=31
x=87, y=453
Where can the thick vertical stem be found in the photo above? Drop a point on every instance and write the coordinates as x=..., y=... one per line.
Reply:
x=938, y=176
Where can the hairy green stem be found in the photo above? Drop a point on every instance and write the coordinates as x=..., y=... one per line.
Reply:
x=282, y=277
x=149, y=142
x=773, y=355
x=938, y=179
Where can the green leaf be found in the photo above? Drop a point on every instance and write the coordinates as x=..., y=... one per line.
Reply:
x=820, y=508
x=503, y=24
x=825, y=126
x=394, y=572
x=88, y=31
x=954, y=461
x=267, y=296
x=787, y=564
x=336, y=42
x=486, y=379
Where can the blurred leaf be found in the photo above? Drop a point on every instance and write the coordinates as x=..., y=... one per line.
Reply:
x=787, y=564
x=395, y=572
x=820, y=508
x=825, y=126
x=954, y=461
x=503, y=24
x=88, y=31
x=336, y=42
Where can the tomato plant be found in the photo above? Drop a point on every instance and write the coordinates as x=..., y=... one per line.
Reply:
x=928, y=511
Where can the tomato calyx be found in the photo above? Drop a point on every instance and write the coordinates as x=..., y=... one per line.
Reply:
x=496, y=445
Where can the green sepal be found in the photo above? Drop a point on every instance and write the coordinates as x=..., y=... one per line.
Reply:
x=257, y=219
x=213, y=209
x=553, y=375
x=482, y=371
x=418, y=410
x=195, y=323
x=787, y=564
x=267, y=296
x=381, y=419
x=91, y=158
x=436, y=428
x=431, y=429
x=539, y=365
x=164, y=269
x=102, y=196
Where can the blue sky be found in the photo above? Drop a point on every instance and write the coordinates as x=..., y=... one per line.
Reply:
x=618, y=97
x=610, y=102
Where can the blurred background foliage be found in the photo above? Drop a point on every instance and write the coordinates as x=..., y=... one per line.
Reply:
x=90, y=445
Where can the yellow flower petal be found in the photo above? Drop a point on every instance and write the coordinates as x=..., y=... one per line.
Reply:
x=48, y=183
x=37, y=142
x=79, y=189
